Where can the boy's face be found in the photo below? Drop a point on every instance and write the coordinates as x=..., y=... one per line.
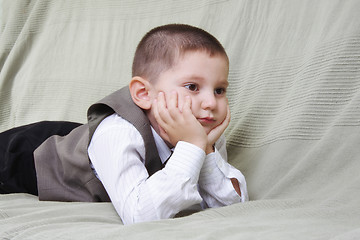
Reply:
x=204, y=79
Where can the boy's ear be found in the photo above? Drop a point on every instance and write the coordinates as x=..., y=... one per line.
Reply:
x=139, y=90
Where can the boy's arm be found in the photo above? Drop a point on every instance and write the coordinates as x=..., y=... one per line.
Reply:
x=220, y=183
x=213, y=137
x=116, y=152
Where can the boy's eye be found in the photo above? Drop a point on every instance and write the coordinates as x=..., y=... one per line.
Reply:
x=220, y=91
x=192, y=87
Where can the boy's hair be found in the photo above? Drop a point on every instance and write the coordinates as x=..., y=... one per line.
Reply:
x=162, y=46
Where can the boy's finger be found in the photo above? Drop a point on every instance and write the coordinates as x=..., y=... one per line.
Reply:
x=216, y=132
x=173, y=104
x=156, y=111
x=161, y=100
x=228, y=115
x=161, y=108
x=226, y=121
x=187, y=105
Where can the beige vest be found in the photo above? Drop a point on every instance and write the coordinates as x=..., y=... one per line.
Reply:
x=62, y=163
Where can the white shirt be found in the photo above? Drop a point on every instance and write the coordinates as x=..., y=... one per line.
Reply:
x=117, y=154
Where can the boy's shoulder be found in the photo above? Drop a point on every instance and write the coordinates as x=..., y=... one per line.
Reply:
x=115, y=123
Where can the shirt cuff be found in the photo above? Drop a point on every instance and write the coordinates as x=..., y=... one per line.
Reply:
x=210, y=171
x=216, y=170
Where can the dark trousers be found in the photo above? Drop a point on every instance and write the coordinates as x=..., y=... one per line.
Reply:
x=17, y=168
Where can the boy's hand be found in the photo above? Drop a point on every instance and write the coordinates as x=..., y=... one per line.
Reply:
x=178, y=125
x=216, y=132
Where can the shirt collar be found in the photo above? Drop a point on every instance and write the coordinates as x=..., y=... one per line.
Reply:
x=163, y=150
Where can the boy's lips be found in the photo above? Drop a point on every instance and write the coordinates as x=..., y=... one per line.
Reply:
x=206, y=120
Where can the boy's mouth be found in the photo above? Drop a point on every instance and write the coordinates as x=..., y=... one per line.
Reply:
x=206, y=120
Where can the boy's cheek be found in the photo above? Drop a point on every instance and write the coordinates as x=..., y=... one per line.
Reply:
x=152, y=96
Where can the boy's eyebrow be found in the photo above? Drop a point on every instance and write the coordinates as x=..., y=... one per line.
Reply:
x=226, y=82
x=199, y=78
x=195, y=77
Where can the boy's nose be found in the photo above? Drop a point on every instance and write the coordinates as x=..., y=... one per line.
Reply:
x=208, y=101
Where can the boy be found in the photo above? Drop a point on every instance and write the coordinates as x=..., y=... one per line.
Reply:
x=175, y=102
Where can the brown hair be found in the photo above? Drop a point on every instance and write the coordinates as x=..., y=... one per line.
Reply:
x=162, y=46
